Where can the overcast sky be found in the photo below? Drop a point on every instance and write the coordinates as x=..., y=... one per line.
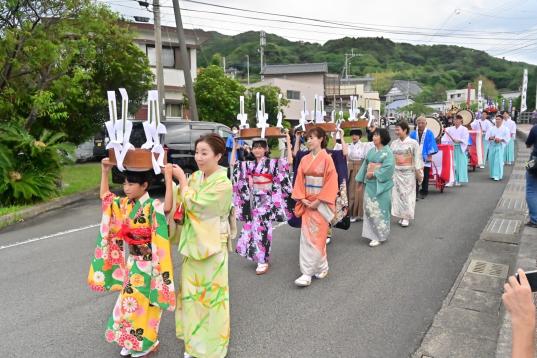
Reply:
x=502, y=28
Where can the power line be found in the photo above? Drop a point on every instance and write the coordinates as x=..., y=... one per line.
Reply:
x=332, y=22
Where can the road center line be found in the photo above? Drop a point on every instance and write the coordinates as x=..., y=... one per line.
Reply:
x=48, y=236
x=72, y=231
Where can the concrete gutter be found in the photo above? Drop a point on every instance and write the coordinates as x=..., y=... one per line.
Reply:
x=468, y=323
x=39, y=209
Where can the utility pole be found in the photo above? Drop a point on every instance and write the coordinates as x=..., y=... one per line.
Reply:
x=348, y=57
x=185, y=61
x=224, y=63
x=262, y=44
x=248, y=68
x=158, y=61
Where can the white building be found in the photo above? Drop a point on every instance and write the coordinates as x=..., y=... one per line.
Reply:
x=459, y=96
x=174, y=77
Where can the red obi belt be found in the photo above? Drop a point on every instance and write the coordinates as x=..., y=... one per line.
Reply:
x=261, y=179
x=131, y=236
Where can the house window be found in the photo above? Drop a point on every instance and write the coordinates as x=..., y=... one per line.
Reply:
x=168, y=56
x=293, y=95
x=174, y=110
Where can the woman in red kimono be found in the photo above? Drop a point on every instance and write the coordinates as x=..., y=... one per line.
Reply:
x=315, y=192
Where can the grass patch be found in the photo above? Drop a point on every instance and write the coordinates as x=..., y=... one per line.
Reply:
x=78, y=178
x=12, y=209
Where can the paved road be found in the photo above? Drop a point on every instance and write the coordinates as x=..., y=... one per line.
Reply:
x=374, y=303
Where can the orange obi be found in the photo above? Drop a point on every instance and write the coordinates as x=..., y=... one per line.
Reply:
x=403, y=160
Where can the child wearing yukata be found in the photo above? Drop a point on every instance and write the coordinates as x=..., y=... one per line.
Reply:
x=133, y=257
x=261, y=191
x=497, y=136
x=315, y=191
x=202, y=317
x=458, y=136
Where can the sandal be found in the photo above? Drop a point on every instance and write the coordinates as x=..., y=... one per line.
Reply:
x=261, y=269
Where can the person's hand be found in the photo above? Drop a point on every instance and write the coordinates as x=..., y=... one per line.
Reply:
x=314, y=205
x=306, y=202
x=370, y=175
x=106, y=165
x=429, y=158
x=168, y=172
x=518, y=299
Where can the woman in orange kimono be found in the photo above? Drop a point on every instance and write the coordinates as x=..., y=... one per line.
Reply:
x=315, y=192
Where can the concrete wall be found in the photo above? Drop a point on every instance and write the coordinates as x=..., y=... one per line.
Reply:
x=307, y=85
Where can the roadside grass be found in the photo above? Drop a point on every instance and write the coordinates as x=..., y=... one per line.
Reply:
x=76, y=178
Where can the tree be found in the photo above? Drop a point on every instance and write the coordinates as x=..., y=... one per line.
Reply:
x=58, y=59
x=217, y=95
x=416, y=108
x=488, y=89
x=271, y=103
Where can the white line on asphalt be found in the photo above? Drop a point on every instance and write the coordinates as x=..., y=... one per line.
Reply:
x=48, y=236
x=76, y=230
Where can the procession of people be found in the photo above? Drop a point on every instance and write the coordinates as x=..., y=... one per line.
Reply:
x=310, y=186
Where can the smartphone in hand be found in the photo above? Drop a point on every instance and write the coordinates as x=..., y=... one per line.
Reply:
x=532, y=279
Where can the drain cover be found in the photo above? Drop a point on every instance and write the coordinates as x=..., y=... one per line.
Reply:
x=488, y=269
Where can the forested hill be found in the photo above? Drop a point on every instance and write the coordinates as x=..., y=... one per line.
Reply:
x=437, y=67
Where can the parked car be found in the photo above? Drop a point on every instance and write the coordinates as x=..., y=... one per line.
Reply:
x=178, y=141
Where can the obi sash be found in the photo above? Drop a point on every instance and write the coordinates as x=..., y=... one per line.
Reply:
x=313, y=184
x=371, y=167
x=262, y=182
x=403, y=159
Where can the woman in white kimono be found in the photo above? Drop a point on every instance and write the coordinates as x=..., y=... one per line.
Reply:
x=408, y=169
x=498, y=137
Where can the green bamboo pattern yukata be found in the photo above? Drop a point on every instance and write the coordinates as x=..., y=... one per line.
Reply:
x=202, y=314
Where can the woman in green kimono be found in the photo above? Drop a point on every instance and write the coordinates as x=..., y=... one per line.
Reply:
x=377, y=174
x=202, y=315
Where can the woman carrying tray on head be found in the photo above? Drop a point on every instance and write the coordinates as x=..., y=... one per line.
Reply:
x=133, y=225
x=357, y=153
x=315, y=192
x=377, y=175
x=261, y=191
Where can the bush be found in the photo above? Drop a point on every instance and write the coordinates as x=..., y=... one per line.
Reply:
x=30, y=168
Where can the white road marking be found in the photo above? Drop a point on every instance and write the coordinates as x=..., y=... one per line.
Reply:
x=62, y=233
x=49, y=236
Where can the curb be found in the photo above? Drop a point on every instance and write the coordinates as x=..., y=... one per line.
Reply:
x=469, y=321
x=38, y=209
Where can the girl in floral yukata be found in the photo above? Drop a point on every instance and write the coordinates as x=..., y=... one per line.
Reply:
x=261, y=190
x=133, y=225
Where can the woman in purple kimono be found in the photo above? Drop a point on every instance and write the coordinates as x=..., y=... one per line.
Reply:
x=261, y=191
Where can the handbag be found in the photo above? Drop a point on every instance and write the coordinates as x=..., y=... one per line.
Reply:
x=531, y=165
x=344, y=223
